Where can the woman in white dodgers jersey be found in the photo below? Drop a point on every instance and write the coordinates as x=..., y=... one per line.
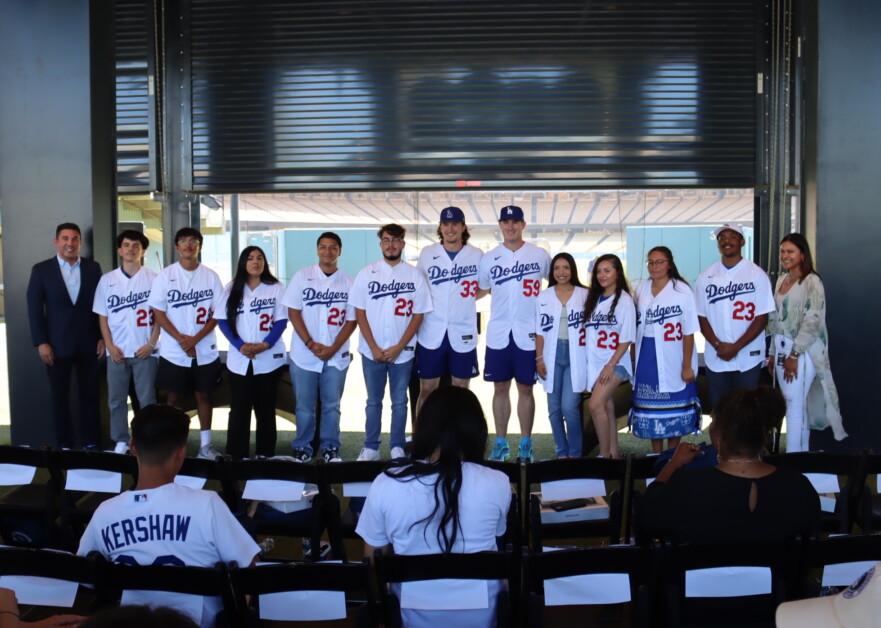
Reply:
x=665, y=401
x=253, y=319
x=609, y=330
x=558, y=362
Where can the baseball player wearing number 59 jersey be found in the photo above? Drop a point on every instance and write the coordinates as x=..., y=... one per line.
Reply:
x=318, y=306
x=512, y=272
x=733, y=299
x=130, y=336
x=390, y=300
x=184, y=297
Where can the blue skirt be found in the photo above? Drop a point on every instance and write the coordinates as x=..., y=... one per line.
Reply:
x=657, y=414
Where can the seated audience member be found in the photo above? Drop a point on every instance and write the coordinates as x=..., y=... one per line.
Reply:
x=740, y=499
x=161, y=522
x=443, y=501
x=858, y=606
x=9, y=615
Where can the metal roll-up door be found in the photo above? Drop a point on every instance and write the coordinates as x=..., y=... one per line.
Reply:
x=423, y=94
x=135, y=120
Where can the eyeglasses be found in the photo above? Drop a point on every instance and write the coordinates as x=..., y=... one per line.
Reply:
x=390, y=240
x=190, y=241
x=655, y=262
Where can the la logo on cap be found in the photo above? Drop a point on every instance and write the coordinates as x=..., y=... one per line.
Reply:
x=510, y=211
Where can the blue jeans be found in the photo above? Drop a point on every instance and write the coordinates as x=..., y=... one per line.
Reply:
x=308, y=386
x=375, y=374
x=564, y=406
x=722, y=381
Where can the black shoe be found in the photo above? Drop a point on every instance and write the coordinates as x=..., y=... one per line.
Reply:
x=300, y=455
x=331, y=454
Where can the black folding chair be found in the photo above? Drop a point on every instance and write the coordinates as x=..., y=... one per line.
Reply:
x=160, y=580
x=606, y=527
x=838, y=517
x=582, y=586
x=742, y=599
x=207, y=475
x=347, y=482
x=28, y=506
x=837, y=561
x=44, y=597
x=266, y=585
x=494, y=567
x=79, y=502
x=261, y=519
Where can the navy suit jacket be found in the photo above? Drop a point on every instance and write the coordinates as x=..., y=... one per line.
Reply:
x=69, y=327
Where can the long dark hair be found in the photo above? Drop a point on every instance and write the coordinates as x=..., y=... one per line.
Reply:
x=672, y=272
x=237, y=291
x=807, y=263
x=574, y=277
x=451, y=426
x=596, y=290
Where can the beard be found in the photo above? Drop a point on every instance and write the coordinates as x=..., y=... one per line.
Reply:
x=392, y=258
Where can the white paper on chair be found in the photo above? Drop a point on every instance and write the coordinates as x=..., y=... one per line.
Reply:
x=356, y=489
x=824, y=482
x=594, y=588
x=845, y=574
x=96, y=480
x=439, y=595
x=727, y=582
x=303, y=606
x=16, y=474
x=190, y=481
x=274, y=490
x=572, y=489
x=189, y=605
x=41, y=591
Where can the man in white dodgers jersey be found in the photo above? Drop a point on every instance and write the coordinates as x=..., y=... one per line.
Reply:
x=162, y=523
x=390, y=298
x=318, y=307
x=733, y=298
x=184, y=297
x=512, y=272
x=447, y=339
x=130, y=336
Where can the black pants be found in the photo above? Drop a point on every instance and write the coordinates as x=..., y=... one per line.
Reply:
x=60, y=373
x=249, y=392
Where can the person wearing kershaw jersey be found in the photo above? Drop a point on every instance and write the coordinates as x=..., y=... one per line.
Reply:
x=160, y=522
x=390, y=298
x=512, y=272
x=610, y=329
x=559, y=343
x=130, y=336
x=447, y=340
x=733, y=298
x=665, y=401
x=184, y=297
x=318, y=306
x=253, y=320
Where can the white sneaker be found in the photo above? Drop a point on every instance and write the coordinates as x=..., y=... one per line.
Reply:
x=121, y=448
x=208, y=452
x=368, y=454
x=398, y=452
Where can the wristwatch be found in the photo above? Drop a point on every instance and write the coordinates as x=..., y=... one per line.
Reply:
x=794, y=353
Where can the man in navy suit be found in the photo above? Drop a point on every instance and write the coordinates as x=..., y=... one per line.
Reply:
x=66, y=333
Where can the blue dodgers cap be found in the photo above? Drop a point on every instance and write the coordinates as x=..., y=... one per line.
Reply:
x=452, y=214
x=511, y=212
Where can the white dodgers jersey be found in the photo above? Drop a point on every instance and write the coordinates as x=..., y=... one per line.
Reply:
x=123, y=301
x=257, y=312
x=453, y=285
x=324, y=304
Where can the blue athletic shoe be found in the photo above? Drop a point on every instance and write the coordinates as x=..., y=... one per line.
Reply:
x=524, y=451
x=501, y=451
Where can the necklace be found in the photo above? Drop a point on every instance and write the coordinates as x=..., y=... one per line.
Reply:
x=739, y=460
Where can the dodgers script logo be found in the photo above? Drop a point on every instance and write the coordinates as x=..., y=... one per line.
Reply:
x=546, y=322
x=573, y=320
x=311, y=296
x=438, y=275
x=500, y=274
x=132, y=300
x=659, y=314
x=257, y=305
x=730, y=292
x=377, y=290
x=601, y=319
x=176, y=298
